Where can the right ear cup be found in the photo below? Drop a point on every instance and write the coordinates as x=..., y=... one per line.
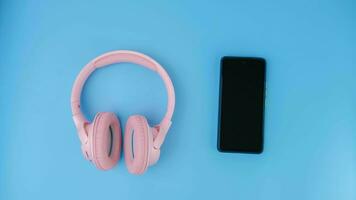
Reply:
x=105, y=140
x=137, y=144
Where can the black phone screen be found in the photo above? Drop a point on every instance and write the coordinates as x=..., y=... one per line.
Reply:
x=241, y=112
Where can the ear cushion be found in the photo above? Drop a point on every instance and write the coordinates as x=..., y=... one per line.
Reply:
x=137, y=145
x=105, y=140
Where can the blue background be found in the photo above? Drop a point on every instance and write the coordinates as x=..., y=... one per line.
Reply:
x=310, y=127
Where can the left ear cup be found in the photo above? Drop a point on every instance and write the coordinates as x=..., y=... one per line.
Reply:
x=138, y=143
x=105, y=140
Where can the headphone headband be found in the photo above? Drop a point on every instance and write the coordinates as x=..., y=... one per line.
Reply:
x=120, y=57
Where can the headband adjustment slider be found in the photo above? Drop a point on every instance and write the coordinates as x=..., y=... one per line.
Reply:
x=80, y=123
x=162, y=132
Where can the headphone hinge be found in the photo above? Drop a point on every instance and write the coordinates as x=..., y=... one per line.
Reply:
x=162, y=132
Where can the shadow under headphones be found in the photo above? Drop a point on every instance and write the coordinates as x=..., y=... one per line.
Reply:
x=101, y=139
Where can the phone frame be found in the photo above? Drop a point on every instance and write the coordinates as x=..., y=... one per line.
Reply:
x=219, y=144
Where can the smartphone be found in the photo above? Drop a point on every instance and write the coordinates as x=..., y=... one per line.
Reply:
x=241, y=109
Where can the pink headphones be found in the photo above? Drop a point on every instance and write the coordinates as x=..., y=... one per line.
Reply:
x=101, y=139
